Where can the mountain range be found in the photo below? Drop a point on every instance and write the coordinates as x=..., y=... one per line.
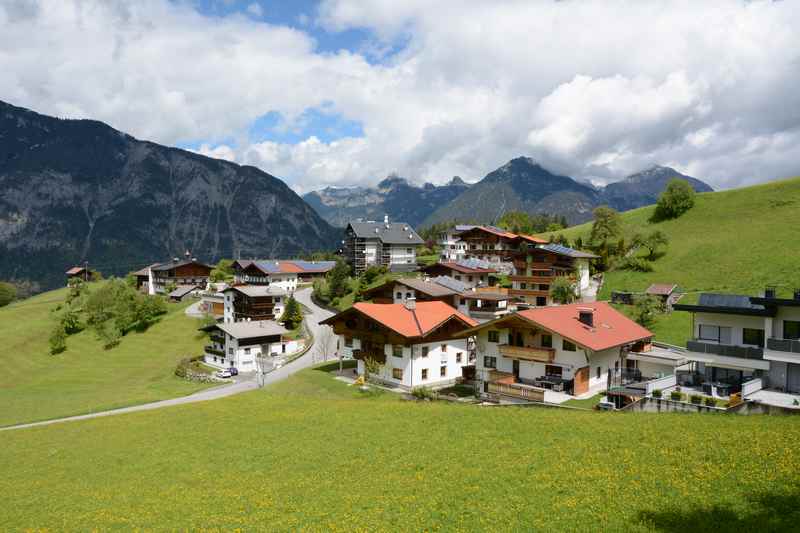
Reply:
x=519, y=185
x=79, y=190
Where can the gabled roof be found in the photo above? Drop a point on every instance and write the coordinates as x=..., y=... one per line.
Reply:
x=532, y=239
x=292, y=266
x=610, y=327
x=143, y=271
x=661, y=289
x=492, y=230
x=252, y=329
x=567, y=251
x=255, y=291
x=183, y=290
x=465, y=266
x=451, y=283
x=386, y=232
x=169, y=265
x=429, y=288
x=410, y=323
x=75, y=270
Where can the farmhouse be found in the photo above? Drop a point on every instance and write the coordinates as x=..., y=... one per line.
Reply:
x=238, y=344
x=155, y=279
x=415, y=343
x=79, y=272
x=471, y=272
x=567, y=349
x=453, y=248
x=744, y=344
x=279, y=274
x=393, y=245
x=253, y=302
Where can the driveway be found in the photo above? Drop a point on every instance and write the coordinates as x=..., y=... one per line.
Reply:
x=318, y=353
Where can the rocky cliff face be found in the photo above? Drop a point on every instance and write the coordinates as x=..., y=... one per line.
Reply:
x=394, y=196
x=79, y=190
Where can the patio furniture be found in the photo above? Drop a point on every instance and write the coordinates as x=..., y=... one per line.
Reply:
x=558, y=387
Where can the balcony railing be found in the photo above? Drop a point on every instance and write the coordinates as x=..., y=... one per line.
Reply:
x=213, y=351
x=784, y=345
x=527, y=292
x=528, y=353
x=517, y=390
x=727, y=350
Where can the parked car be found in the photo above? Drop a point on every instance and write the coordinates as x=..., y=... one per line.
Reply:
x=234, y=371
x=224, y=374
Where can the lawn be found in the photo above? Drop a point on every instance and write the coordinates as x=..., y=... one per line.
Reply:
x=736, y=241
x=35, y=385
x=314, y=454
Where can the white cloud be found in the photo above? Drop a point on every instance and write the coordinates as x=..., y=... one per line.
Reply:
x=591, y=89
x=255, y=9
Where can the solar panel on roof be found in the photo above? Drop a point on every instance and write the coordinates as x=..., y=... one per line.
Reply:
x=450, y=283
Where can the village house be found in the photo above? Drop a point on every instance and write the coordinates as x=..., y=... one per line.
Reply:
x=415, y=343
x=471, y=272
x=282, y=275
x=745, y=344
x=389, y=244
x=155, y=279
x=253, y=302
x=453, y=248
x=81, y=272
x=238, y=344
x=554, y=353
x=536, y=265
x=489, y=243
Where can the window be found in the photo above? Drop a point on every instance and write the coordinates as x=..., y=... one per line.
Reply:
x=458, y=278
x=463, y=301
x=424, y=351
x=791, y=329
x=469, y=278
x=459, y=357
x=247, y=351
x=598, y=372
x=348, y=341
x=230, y=351
x=753, y=337
x=567, y=346
x=718, y=334
x=547, y=340
x=424, y=373
x=552, y=370
x=543, y=287
x=494, y=336
x=408, y=295
x=443, y=371
x=444, y=348
x=523, y=285
x=397, y=350
x=397, y=373
x=489, y=362
x=399, y=295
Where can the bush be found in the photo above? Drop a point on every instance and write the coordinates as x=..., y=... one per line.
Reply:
x=677, y=198
x=292, y=314
x=635, y=264
x=696, y=399
x=676, y=395
x=8, y=293
x=645, y=310
x=711, y=402
x=423, y=393
x=58, y=340
x=657, y=393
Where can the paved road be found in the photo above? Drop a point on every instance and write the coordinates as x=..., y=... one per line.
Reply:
x=322, y=336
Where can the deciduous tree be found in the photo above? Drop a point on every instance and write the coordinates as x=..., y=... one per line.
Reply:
x=677, y=198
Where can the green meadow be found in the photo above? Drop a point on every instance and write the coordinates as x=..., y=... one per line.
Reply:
x=735, y=241
x=313, y=454
x=35, y=385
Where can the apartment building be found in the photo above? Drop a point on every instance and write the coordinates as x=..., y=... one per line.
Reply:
x=390, y=244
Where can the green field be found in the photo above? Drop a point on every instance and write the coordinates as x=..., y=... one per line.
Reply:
x=35, y=385
x=736, y=241
x=313, y=454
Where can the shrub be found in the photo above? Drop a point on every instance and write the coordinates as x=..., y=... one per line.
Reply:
x=562, y=290
x=676, y=395
x=8, y=293
x=645, y=310
x=58, y=340
x=423, y=393
x=677, y=198
x=292, y=315
x=635, y=264
x=70, y=322
x=711, y=402
x=696, y=399
x=657, y=393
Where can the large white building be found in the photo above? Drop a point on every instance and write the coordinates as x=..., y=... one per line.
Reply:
x=414, y=343
x=390, y=244
x=238, y=344
x=253, y=302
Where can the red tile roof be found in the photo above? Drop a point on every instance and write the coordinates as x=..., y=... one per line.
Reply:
x=531, y=238
x=611, y=328
x=427, y=316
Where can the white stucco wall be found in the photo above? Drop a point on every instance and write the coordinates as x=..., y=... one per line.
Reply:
x=736, y=322
x=412, y=363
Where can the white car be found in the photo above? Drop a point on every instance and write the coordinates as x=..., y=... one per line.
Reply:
x=224, y=374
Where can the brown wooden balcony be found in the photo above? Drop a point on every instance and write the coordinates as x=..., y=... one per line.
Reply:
x=532, y=279
x=528, y=353
x=526, y=292
x=516, y=390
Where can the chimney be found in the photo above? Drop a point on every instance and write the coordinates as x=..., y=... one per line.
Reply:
x=586, y=316
x=769, y=292
x=411, y=303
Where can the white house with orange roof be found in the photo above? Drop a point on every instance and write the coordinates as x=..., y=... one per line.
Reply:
x=568, y=349
x=415, y=343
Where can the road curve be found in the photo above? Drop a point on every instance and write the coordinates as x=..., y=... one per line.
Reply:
x=317, y=354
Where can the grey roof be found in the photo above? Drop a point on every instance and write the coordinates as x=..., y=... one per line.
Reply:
x=734, y=301
x=451, y=283
x=428, y=287
x=402, y=267
x=493, y=296
x=464, y=227
x=388, y=233
x=249, y=330
x=257, y=290
x=174, y=264
x=565, y=250
x=183, y=290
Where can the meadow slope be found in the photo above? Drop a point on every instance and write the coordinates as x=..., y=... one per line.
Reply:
x=35, y=385
x=312, y=454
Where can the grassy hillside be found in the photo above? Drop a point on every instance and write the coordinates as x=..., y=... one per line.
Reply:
x=35, y=385
x=313, y=454
x=734, y=241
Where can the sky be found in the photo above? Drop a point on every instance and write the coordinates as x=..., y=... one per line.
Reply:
x=345, y=92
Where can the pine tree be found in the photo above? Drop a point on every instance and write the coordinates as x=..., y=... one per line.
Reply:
x=292, y=315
